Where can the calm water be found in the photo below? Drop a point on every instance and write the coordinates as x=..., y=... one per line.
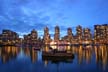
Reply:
x=16, y=59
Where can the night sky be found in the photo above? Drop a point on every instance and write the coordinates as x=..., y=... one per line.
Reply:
x=24, y=15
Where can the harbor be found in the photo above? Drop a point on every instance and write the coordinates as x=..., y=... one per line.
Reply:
x=95, y=58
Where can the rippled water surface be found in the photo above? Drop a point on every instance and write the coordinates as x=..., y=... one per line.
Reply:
x=86, y=59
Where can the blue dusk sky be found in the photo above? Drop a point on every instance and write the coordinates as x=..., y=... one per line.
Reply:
x=24, y=15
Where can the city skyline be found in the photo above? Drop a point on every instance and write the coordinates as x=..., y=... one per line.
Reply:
x=23, y=16
x=52, y=34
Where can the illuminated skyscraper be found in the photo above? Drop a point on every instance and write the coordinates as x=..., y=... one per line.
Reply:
x=9, y=37
x=0, y=38
x=79, y=33
x=34, y=34
x=107, y=34
x=34, y=37
x=101, y=33
x=46, y=35
x=31, y=38
x=87, y=36
x=70, y=35
x=57, y=33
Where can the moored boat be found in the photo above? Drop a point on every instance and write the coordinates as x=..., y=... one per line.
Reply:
x=55, y=53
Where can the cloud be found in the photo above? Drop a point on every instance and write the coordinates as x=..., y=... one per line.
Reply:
x=25, y=15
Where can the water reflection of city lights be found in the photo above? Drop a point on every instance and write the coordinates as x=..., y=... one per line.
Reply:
x=83, y=53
